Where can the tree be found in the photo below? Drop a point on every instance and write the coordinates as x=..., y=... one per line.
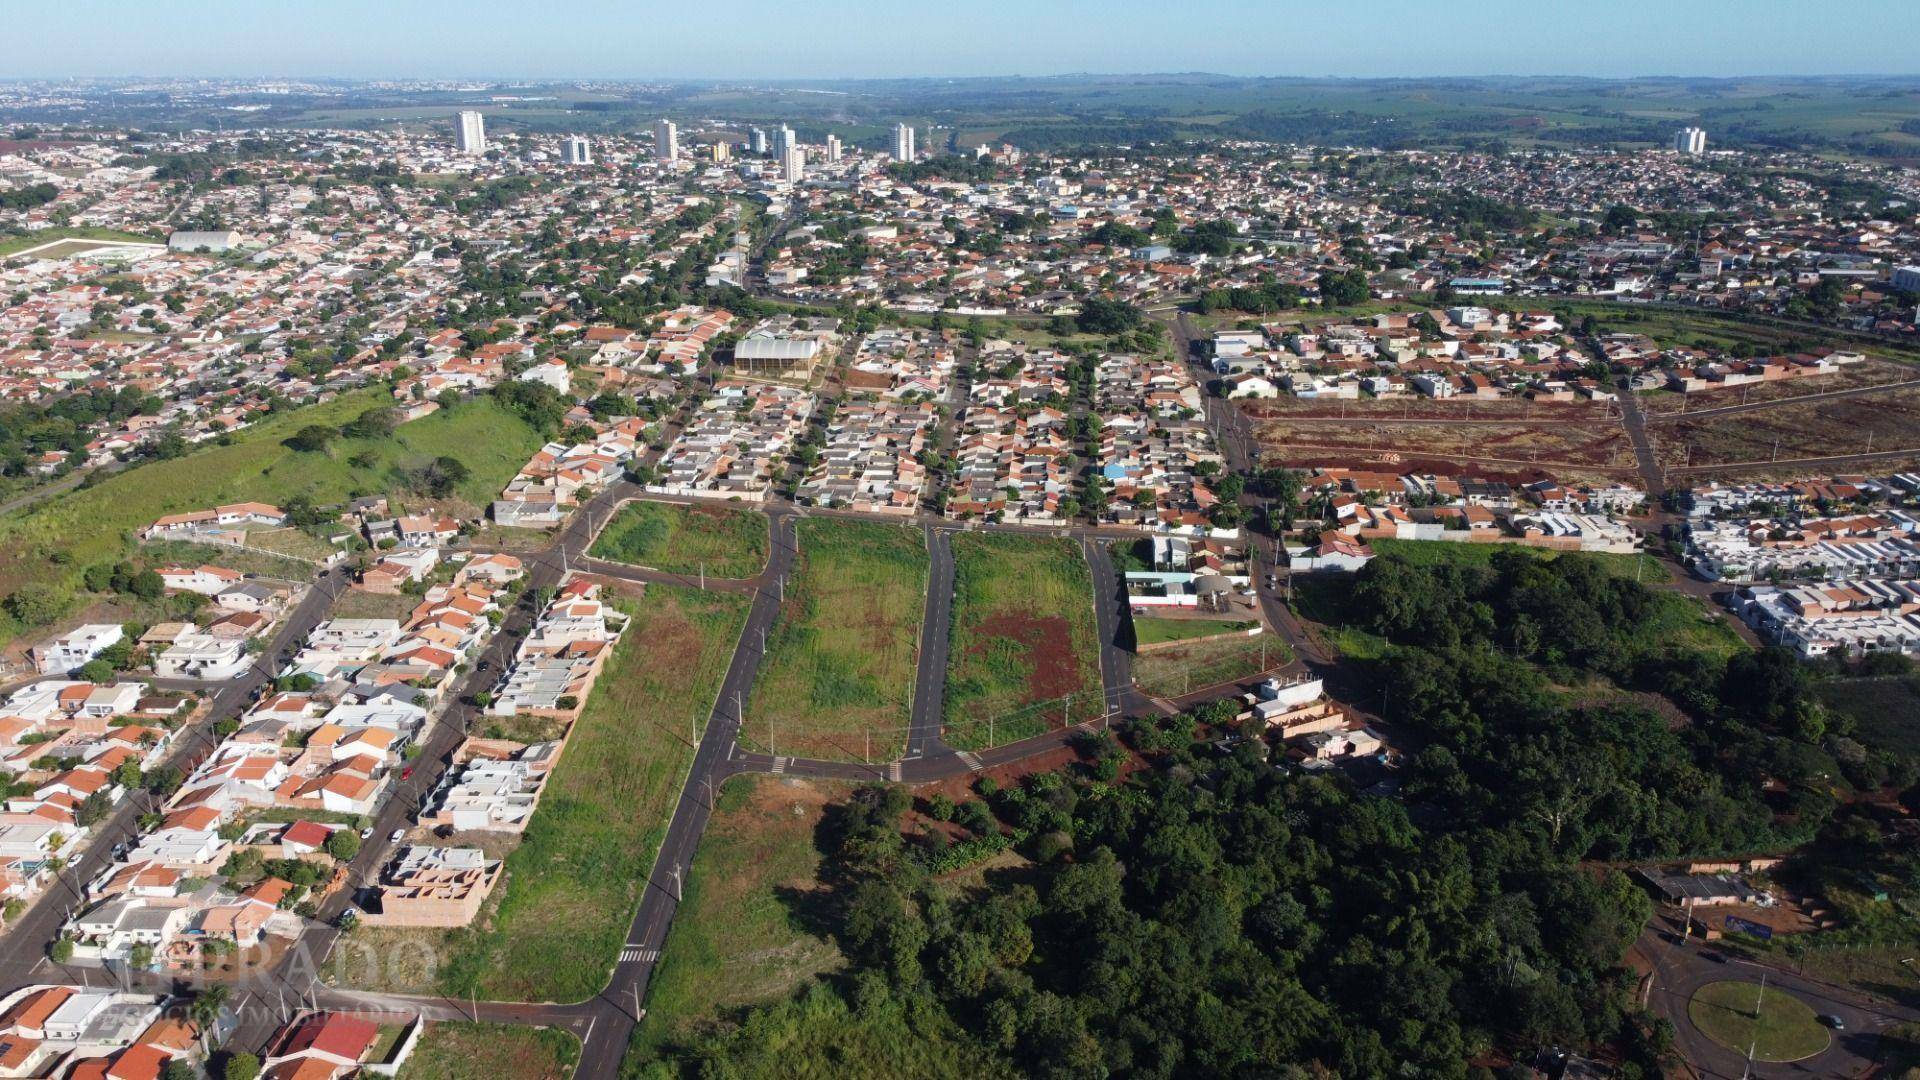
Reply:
x=343, y=844
x=96, y=671
x=312, y=439
x=61, y=950
x=147, y=585
x=1099, y=315
x=241, y=1066
x=35, y=604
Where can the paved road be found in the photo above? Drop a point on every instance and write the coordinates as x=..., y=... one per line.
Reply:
x=24, y=948
x=618, y=1008
x=936, y=627
x=1679, y=970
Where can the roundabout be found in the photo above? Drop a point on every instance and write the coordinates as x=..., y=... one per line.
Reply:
x=1774, y=1024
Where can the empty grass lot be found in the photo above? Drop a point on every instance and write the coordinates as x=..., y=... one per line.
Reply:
x=840, y=661
x=1023, y=633
x=572, y=884
x=1151, y=631
x=479, y=1051
x=725, y=542
x=739, y=938
x=1197, y=664
x=98, y=524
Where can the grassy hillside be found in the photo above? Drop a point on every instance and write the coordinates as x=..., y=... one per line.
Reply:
x=55, y=541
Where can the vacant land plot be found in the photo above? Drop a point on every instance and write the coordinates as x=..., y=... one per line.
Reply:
x=1853, y=377
x=1150, y=631
x=1642, y=568
x=840, y=662
x=1513, y=410
x=740, y=937
x=1024, y=638
x=721, y=542
x=479, y=1051
x=13, y=245
x=574, y=881
x=1836, y=426
x=97, y=524
x=1516, y=452
x=163, y=552
x=1194, y=665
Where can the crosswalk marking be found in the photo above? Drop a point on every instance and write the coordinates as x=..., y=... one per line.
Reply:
x=635, y=954
x=780, y=765
x=973, y=761
x=893, y=771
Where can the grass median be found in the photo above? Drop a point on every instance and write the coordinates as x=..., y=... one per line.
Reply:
x=1024, y=638
x=838, y=678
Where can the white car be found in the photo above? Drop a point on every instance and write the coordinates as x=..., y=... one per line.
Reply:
x=397, y=834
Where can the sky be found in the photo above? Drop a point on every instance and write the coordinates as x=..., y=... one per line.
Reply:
x=801, y=39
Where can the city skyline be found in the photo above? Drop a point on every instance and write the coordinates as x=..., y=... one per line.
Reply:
x=842, y=39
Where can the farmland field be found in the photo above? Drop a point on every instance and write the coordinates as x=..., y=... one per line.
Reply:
x=1023, y=634
x=740, y=938
x=840, y=662
x=722, y=542
x=572, y=884
x=97, y=524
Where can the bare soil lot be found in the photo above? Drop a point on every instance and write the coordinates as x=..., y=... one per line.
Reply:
x=1852, y=425
x=1517, y=452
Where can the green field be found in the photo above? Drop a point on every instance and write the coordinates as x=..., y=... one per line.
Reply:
x=450, y=1050
x=738, y=938
x=10, y=245
x=574, y=881
x=722, y=543
x=98, y=524
x=1023, y=634
x=1642, y=567
x=840, y=662
x=1182, y=669
x=1783, y=1029
x=1150, y=631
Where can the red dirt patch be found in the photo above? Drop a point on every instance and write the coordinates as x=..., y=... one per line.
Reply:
x=1055, y=672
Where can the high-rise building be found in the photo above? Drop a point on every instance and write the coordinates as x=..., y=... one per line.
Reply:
x=1906, y=278
x=579, y=150
x=470, y=135
x=757, y=141
x=1691, y=140
x=903, y=142
x=833, y=148
x=793, y=163
x=783, y=139
x=722, y=150
x=666, y=140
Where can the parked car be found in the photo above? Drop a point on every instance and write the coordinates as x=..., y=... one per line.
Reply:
x=394, y=838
